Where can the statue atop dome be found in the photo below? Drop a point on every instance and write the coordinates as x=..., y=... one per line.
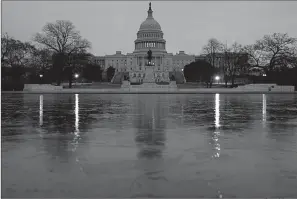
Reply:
x=150, y=6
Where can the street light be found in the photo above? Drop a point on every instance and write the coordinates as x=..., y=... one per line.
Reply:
x=217, y=78
x=76, y=75
x=40, y=75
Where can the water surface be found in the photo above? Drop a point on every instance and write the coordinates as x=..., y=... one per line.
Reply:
x=84, y=145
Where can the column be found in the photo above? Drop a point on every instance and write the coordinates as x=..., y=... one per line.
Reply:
x=143, y=60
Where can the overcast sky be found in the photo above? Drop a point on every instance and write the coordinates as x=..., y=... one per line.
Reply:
x=187, y=25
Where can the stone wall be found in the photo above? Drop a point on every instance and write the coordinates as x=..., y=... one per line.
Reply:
x=149, y=87
x=265, y=87
x=41, y=87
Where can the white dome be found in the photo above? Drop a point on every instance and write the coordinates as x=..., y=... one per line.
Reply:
x=150, y=24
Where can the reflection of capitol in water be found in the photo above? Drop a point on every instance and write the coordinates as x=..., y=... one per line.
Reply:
x=150, y=124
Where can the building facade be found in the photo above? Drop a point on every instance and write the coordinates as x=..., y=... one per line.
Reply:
x=149, y=37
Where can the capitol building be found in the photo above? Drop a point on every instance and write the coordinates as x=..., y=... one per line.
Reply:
x=134, y=65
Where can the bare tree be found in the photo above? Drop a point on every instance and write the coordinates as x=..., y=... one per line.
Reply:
x=239, y=61
x=14, y=52
x=212, y=49
x=256, y=56
x=235, y=62
x=5, y=46
x=63, y=39
x=227, y=64
x=41, y=60
x=277, y=49
x=15, y=59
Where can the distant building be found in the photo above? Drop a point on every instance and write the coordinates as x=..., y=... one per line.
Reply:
x=149, y=37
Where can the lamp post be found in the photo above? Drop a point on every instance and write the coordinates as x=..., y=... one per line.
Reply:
x=76, y=76
x=41, y=75
x=217, y=78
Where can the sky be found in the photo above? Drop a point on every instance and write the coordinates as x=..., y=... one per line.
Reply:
x=187, y=25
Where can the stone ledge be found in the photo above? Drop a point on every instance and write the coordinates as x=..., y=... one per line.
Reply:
x=41, y=87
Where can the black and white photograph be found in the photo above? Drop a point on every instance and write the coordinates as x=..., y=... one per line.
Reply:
x=148, y=99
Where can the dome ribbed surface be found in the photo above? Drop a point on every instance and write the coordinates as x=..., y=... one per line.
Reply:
x=150, y=24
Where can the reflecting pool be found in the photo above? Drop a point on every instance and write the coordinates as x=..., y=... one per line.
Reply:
x=84, y=145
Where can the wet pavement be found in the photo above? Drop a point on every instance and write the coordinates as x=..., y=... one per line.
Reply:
x=213, y=145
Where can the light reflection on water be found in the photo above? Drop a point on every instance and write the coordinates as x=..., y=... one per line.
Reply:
x=217, y=126
x=264, y=106
x=149, y=145
x=40, y=110
x=76, y=123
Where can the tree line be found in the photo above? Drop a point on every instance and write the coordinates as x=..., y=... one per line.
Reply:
x=54, y=55
x=274, y=55
x=59, y=51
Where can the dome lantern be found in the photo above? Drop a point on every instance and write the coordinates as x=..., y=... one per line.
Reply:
x=150, y=11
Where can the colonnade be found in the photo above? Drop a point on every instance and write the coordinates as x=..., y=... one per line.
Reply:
x=157, y=45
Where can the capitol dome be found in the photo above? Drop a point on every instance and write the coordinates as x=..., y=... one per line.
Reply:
x=150, y=23
x=150, y=35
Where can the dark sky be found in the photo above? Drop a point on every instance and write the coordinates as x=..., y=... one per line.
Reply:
x=187, y=25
